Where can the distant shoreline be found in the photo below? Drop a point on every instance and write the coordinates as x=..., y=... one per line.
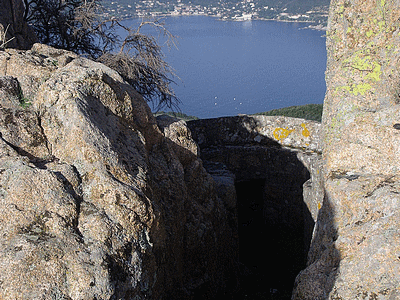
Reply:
x=245, y=67
x=318, y=27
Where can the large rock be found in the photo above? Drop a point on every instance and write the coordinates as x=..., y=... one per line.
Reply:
x=355, y=251
x=98, y=202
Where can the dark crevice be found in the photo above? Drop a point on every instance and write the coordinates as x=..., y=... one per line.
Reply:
x=272, y=233
x=46, y=141
x=275, y=225
x=37, y=161
x=76, y=194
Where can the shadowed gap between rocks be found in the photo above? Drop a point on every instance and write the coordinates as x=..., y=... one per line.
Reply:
x=274, y=223
x=275, y=229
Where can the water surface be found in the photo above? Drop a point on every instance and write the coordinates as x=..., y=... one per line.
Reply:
x=230, y=68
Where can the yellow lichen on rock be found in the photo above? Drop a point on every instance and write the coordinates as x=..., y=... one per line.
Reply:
x=281, y=133
x=305, y=132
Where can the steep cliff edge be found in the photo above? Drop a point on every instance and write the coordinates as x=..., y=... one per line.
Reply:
x=355, y=251
x=96, y=201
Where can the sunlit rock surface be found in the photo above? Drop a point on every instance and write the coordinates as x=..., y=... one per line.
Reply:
x=96, y=201
x=355, y=251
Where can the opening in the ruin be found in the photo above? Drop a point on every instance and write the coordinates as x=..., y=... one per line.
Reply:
x=272, y=231
x=271, y=207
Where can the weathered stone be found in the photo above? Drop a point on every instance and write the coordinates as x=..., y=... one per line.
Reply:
x=362, y=102
x=180, y=136
x=97, y=202
x=9, y=91
x=20, y=127
x=33, y=67
x=354, y=252
x=259, y=130
x=271, y=164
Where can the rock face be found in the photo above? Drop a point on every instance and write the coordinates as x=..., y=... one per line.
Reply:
x=100, y=200
x=97, y=200
x=14, y=31
x=267, y=172
x=355, y=251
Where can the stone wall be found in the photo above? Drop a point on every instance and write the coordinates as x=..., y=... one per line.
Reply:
x=272, y=163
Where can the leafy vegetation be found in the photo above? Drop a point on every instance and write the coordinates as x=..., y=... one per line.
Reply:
x=308, y=112
x=178, y=115
x=23, y=101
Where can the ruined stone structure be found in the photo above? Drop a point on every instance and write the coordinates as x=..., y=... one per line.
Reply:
x=99, y=199
x=267, y=169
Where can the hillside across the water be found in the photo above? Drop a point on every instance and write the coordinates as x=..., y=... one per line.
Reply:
x=311, y=112
x=307, y=111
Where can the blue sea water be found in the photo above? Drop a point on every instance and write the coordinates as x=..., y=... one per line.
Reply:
x=230, y=68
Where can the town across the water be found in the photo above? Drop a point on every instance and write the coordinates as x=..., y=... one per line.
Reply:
x=243, y=10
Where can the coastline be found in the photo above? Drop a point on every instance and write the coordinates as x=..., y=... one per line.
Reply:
x=204, y=64
x=318, y=27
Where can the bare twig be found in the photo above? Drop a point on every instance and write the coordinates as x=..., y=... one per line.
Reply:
x=3, y=38
x=140, y=61
x=77, y=25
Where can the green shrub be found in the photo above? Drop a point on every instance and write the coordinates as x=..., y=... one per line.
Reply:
x=309, y=112
x=177, y=115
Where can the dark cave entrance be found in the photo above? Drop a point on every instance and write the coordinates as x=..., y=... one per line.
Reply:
x=273, y=231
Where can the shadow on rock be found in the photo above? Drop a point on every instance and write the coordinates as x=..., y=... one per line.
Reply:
x=270, y=181
x=317, y=280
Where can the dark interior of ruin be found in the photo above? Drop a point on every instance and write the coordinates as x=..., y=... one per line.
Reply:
x=272, y=236
x=274, y=223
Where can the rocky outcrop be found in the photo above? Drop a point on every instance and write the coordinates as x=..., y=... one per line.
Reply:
x=355, y=252
x=97, y=200
x=14, y=31
x=267, y=172
x=100, y=200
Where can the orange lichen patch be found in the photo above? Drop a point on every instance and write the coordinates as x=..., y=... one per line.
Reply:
x=281, y=133
x=319, y=205
x=305, y=132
